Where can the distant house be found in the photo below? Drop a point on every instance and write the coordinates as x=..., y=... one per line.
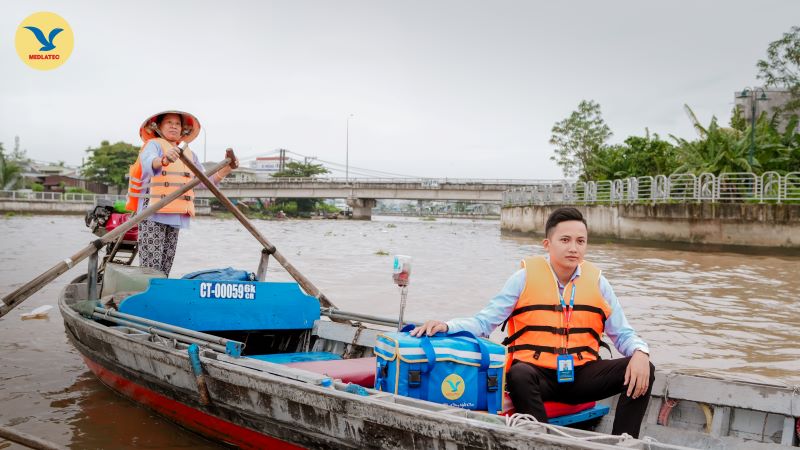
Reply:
x=242, y=175
x=59, y=183
x=57, y=177
x=238, y=175
x=265, y=167
x=268, y=164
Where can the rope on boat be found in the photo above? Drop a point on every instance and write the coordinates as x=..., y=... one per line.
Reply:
x=666, y=408
x=666, y=403
x=528, y=422
x=352, y=347
x=709, y=414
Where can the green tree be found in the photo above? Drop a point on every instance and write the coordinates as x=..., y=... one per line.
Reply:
x=775, y=150
x=781, y=68
x=737, y=119
x=577, y=137
x=9, y=171
x=296, y=169
x=110, y=163
x=608, y=163
x=717, y=150
x=638, y=156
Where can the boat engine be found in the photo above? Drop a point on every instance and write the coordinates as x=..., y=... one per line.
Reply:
x=97, y=217
x=105, y=217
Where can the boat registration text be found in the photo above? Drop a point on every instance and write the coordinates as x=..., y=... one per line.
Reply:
x=228, y=291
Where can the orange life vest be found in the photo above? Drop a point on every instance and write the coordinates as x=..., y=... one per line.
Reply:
x=537, y=328
x=171, y=178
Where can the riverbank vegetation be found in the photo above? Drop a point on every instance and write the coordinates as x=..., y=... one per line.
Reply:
x=769, y=143
x=109, y=164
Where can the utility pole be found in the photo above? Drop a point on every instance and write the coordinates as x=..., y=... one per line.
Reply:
x=282, y=160
x=347, y=152
x=751, y=94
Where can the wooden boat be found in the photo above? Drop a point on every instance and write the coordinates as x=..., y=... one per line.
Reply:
x=254, y=396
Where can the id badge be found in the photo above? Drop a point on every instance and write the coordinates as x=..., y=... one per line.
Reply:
x=565, y=368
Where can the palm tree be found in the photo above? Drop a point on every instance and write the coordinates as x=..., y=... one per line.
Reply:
x=718, y=150
x=9, y=171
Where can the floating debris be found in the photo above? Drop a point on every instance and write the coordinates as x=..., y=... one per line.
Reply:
x=37, y=313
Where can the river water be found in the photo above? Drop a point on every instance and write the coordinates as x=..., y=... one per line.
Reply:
x=720, y=313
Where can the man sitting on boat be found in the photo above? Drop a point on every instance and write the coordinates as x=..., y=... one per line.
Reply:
x=557, y=308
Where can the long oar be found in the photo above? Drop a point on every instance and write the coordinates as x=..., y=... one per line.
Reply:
x=28, y=440
x=268, y=247
x=13, y=299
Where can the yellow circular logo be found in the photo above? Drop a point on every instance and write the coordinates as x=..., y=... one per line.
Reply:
x=44, y=40
x=453, y=387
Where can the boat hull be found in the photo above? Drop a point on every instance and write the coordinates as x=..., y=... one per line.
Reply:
x=257, y=409
x=260, y=405
x=186, y=416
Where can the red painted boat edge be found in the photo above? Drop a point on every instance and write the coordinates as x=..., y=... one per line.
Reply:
x=202, y=423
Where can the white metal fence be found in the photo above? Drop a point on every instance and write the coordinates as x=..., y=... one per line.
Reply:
x=26, y=195
x=676, y=188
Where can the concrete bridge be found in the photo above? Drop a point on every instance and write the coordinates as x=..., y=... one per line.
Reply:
x=361, y=194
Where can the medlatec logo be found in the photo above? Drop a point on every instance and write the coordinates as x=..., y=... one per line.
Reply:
x=44, y=40
x=453, y=387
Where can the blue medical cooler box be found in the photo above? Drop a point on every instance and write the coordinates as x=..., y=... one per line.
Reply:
x=456, y=369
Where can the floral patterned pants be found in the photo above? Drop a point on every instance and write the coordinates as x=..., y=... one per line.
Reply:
x=157, y=245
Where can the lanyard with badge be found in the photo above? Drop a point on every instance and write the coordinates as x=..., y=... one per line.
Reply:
x=565, y=362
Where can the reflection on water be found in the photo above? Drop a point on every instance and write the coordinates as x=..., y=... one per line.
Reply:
x=719, y=313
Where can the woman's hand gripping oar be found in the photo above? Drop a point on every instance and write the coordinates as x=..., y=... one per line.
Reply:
x=13, y=299
x=299, y=277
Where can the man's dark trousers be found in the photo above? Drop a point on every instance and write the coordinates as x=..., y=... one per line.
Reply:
x=530, y=386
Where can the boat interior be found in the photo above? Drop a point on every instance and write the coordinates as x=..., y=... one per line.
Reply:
x=282, y=331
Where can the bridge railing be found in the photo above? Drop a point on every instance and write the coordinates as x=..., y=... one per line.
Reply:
x=676, y=188
x=430, y=183
x=25, y=195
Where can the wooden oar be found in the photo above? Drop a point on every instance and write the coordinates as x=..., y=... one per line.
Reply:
x=304, y=282
x=28, y=440
x=13, y=299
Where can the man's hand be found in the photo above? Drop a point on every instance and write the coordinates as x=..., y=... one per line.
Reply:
x=430, y=328
x=637, y=374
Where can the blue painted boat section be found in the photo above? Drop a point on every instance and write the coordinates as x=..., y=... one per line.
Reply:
x=591, y=413
x=204, y=305
x=287, y=358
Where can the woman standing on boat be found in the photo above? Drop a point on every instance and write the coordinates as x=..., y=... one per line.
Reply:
x=157, y=172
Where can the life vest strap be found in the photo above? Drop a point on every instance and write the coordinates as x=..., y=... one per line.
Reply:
x=553, y=350
x=163, y=183
x=174, y=173
x=184, y=197
x=557, y=308
x=548, y=329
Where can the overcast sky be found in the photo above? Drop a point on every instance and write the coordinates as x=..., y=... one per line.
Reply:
x=436, y=88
